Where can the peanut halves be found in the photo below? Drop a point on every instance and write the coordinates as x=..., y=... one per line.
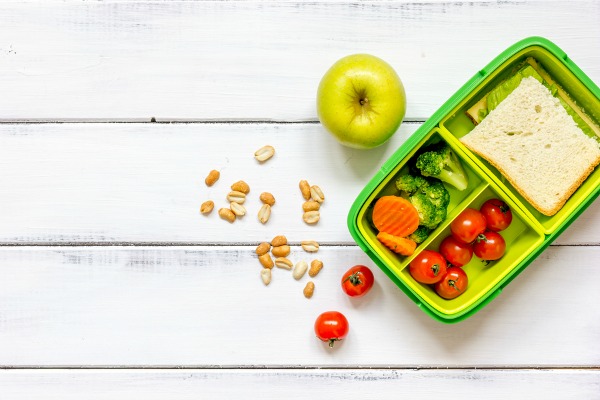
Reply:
x=207, y=207
x=309, y=289
x=264, y=153
x=227, y=214
x=212, y=177
x=309, y=246
x=264, y=213
x=315, y=267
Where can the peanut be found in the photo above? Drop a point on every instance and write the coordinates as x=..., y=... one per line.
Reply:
x=240, y=186
x=265, y=275
x=304, y=189
x=317, y=194
x=266, y=261
x=278, y=240
x=311, y=205
x=212, y=177
x=236, y=197
x=263, y=248
x=267, y=198
x=311, y=217
x=315, y=267
x=264, y=213
x=310, y=246
x=299, y=270
x=264, y=153
x=227, y=214
x=207, y=207
x=282, y=262
x=238, y=209
x=309, y=289
x=281, y=251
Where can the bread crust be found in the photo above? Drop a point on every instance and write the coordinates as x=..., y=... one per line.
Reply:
x=546, y=211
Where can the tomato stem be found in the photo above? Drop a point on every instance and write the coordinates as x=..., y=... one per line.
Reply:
x=481, y=238
x=332, y=342
x=452, y=283
x=354, y=279
x=436, y=269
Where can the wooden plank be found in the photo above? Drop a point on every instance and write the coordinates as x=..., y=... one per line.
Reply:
x=144, y=183
x=206, y=307
x=256, y=60
x=296, y=384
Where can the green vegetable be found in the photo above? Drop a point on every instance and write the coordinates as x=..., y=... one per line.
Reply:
x=409, y=184
x=420, y=234
x=430, y=197
x=439, y=161
x=501, y=91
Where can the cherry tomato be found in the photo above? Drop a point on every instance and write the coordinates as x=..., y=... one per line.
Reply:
x=357, y=281
x=468, y=225
x=497, y=214
x=331, y=326
x=454, y=284
x=489, y=246
x=456, y=252
x=428, y=267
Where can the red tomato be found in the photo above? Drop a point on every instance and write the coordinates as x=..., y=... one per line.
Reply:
x=497, y=214
x=456, y=252
x=428, y=267
x=331, y=326
x=454, y=284
x=468, y=225
x=489, y=246
x=357, y=281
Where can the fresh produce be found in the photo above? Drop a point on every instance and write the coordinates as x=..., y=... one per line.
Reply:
x=497, y=214
x=430, y=197
x=361, y=101
x=357, y=281
x=420, y=234
x=453, y=284
x=331, y=326
x=428, y=267
x=457, y=253
x=395, y=215
x=469, y=224
x=489, y=246
x=439, y=161
x=397, y=244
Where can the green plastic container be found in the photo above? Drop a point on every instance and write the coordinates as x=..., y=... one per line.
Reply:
x=529, y=233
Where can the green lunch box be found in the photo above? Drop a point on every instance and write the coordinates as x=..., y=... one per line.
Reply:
x=529, y=233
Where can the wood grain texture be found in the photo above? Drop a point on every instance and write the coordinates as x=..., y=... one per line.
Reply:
x=299, y=384
x=206, y=306
x=144, y=183
x=259, y=59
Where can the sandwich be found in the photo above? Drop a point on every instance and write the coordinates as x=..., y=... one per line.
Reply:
x=534, y=139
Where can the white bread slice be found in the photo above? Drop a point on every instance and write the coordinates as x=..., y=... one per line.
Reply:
x=532, y=140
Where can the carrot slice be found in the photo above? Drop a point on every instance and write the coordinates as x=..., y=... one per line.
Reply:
x=400, y=245
x=395, y=215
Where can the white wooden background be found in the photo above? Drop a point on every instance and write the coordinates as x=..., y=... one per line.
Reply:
x=112, y=285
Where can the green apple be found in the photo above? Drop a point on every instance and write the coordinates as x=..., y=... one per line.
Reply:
x=361, y=101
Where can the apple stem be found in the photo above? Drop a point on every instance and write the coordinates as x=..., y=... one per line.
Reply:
x=363, y=101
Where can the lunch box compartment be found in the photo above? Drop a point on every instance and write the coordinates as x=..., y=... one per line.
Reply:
x=458, y=124
x=529, y=233
x=521, y=237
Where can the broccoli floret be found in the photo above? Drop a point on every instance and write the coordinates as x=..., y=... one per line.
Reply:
x=430, y=198
x=409, y=184
x=437, y=193
x=440, y=162
x=420, y=234
x=428, y=213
